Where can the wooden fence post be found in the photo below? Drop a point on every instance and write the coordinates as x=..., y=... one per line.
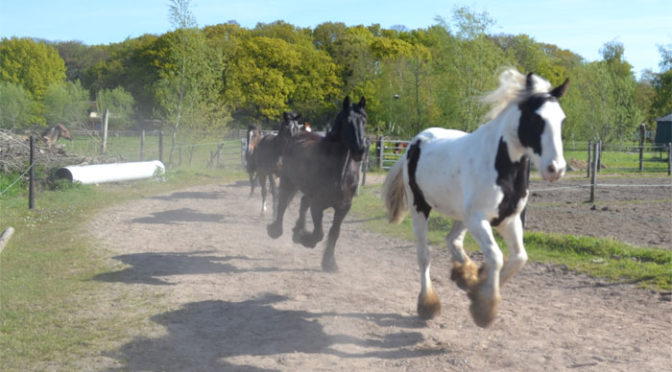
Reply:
x=142, y=145
x=594, y=166
x=588, y=164
x=380, y=151
x=31, y=177
x=599, y=155
x=642, y=133
x=161, y=146
x=669, y=158
x=103, y=145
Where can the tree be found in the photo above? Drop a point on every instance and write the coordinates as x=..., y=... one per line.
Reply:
x=17, y=109
x=66, y=103
x=30, y=64
x=120, y=104
x=662, y=84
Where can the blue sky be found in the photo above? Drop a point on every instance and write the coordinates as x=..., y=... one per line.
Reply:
x=581, y=26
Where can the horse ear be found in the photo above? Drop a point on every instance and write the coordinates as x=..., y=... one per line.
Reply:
x=362, y=102
x=346, y=103
x=529, y=81
x=560, y=90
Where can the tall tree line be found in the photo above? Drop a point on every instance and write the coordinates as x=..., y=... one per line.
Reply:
x=227, y=76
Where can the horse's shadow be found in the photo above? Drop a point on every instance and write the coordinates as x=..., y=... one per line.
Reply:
x=179, y=215
x=153, y=268
x=211, y=195
x=209, y=335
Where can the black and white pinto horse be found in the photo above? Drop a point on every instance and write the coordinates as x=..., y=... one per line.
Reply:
x=265, y=158
x=479, y=179
x=326, y=171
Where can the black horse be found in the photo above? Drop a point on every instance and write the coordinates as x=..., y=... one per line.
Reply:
x=266, y=155
x=326, y=171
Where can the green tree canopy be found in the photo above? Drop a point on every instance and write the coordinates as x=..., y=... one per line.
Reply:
x=17, y=109
x=66, y=103
x=30, y=64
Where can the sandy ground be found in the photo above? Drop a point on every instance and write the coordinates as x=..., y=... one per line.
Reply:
x=237, y=300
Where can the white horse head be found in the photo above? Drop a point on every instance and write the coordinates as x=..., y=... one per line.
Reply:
x=537, y=132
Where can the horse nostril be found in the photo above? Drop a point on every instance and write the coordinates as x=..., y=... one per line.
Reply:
x=551, y=169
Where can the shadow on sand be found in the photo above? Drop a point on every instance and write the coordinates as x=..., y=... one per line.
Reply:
x=203, y=335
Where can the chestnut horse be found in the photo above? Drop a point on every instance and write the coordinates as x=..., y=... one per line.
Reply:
x=253, y=138
x=51, y=135
x=326, y=171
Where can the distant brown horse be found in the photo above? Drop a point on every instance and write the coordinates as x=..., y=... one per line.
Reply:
x=51, y=135
x=326, y=171
x=253, y=138
x=266, y=156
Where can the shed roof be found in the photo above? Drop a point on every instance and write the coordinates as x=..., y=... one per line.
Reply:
x=667, y=117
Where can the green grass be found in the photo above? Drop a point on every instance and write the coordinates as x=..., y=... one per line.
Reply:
x=616, y=161
x=50, y=309
x=604, y=258
x=189, y=151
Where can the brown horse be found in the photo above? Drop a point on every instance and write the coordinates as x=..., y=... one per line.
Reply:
x=253, y=138
x=266, y=156
x=51, y=135
x=326, y=171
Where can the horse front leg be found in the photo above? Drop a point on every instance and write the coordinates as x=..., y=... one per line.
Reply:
x=253, y=183
x=484, y=293
x=300, y=226
x=285, y=195
x=512, y=232
x=464, y=272
x=311, y=240
x=274, y=193
x=328, y=258
x=429, y=305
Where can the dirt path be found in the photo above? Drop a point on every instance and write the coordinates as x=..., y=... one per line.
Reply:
x=235, y=300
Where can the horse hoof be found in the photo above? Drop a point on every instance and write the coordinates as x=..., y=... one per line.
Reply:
x=308, y=241
x=298, y=236
x=465, y=275
x=274, y=230
x=329, y=266
x=483, y=310
x=429, y=306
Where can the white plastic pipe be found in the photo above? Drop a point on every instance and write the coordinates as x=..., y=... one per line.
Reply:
x=115, y=172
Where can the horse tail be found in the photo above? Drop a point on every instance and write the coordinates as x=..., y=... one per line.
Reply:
x=394, y=194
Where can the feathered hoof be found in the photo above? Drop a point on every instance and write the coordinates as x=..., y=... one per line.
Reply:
x=465, y=275
x=274, y=230
x=429, y=306
x=483, y=310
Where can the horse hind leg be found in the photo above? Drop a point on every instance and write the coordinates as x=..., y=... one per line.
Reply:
x=264, y=193
x=328, y=258
x=429, y=305
x=300, y=227
x=285, y=194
